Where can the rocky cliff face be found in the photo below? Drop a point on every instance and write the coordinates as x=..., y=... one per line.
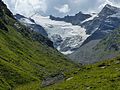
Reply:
x=75, y=20
x=65, y=36
x=68, y=38
x=105, y=23
x=30, y=23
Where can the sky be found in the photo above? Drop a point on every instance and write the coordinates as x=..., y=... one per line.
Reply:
x=58, y=7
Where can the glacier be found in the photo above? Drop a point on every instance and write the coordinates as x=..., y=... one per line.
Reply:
x=70, y=37
x=65, y=36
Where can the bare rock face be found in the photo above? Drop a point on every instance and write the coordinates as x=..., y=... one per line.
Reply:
x=75, y=20
x=52, y=80
x=30, y=23
x=107, y=21
x=70, y=43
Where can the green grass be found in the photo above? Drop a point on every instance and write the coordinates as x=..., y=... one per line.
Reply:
x=24, y=60
x=100, y=76
x=29, y=86
x=104, y=75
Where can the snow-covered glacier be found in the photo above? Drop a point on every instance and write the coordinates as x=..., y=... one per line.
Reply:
x=65, y=36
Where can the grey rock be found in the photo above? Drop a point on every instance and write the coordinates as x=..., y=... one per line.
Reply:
x=52, y=80
x=75, y=20
x=100, y=27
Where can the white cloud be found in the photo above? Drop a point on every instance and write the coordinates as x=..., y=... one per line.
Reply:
x=111, y=2
x=104, y=2
x=26, y=7
x=63, y=9
x=39, y=5
x=58, y=7
x=76, y=1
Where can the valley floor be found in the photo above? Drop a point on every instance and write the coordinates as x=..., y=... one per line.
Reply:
x=104, y=75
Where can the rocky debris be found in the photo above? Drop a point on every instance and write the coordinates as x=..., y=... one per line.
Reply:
x=88, y=87
x=69, y=79
x=115, y=47
x=117, y=62
x=52, y=80
x=103, y=65
x=57, y=40
x=71, y=43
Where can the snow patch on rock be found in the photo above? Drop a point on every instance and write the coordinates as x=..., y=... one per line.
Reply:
x=91, y=18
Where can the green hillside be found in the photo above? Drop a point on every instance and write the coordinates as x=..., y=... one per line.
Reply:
x=29, y=62
x=104, y=75
x=24, y=59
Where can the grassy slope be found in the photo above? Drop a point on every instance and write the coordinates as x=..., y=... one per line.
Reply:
x=25, y=62
x=100, y=76
x=22, y=59
x=104, y=75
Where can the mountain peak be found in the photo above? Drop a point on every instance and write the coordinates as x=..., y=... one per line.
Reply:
x=109, y=10
x=108, y=6
x=79, y=13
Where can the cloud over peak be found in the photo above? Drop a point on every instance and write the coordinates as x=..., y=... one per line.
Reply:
x=58, y=7
x=63, y=9
x=26, y=7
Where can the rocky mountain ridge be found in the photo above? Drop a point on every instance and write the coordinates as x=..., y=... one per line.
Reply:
x=75, y=20
x=101, y=26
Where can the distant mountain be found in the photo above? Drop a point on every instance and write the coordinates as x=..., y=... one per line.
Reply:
x=65, y=36
x=75, y=20
x=107, y=48
x=101, y=26
x=38, y=32
x=29, y=62
x=30, y=23
x=105, y=22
